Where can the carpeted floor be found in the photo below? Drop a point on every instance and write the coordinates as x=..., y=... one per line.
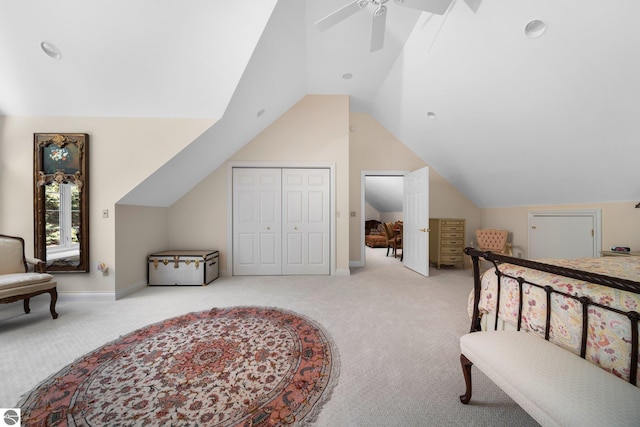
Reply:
x=396, y=332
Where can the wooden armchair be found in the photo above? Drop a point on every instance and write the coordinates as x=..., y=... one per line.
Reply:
x=394, y=240
x=17, y=282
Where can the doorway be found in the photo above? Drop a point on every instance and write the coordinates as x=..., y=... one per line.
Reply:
x=393, y=193
x=380, y=191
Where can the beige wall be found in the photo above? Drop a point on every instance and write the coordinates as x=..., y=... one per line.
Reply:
x=315, y=130
x=620, y=223
x=139, y=231
x=122, y=152
x=373, y=148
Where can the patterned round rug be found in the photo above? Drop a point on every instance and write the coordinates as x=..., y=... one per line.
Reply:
x=241, y=366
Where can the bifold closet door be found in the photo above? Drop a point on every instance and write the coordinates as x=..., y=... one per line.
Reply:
x=305, y=221
x=281, y=221
x=257, y=221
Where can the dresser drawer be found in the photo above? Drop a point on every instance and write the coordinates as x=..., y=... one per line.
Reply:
x=452, y=242
x=447, y=250
x=453, y=259
x=452, y=234
x=448, y=222
x=448, y=228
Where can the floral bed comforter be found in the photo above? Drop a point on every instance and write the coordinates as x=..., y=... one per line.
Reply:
x=609, y=333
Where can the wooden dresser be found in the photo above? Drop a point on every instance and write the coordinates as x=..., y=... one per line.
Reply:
x=446, y=241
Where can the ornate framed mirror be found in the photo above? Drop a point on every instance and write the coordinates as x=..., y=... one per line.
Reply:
x=61, y=201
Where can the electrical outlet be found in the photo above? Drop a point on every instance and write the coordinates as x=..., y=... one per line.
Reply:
x=105, y=213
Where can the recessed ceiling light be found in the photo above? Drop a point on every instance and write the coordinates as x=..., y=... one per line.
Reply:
x=432, y=115
x=535, y=29
x=51, y=50
x=347, y=76
x=260, y=113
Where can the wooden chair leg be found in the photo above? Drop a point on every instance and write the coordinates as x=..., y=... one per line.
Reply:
x=26, y=306
x=54, y=299
x=466, y=371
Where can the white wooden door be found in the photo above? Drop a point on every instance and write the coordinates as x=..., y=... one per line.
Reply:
x=257, y=221
x=415, y=239
x=564, y=234
x=305, y=221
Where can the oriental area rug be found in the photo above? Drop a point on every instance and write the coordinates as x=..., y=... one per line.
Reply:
x=240, y=366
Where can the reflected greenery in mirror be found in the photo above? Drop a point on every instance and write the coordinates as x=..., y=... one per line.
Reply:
x=61, y=201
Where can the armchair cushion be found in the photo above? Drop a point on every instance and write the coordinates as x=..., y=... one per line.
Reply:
x=8, y=281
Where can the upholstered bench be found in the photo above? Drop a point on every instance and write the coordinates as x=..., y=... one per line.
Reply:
x=17, y=282
x=553, y=385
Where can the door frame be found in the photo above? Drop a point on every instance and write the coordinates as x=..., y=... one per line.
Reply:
x=595, y=214
x=363, y=174
x=297, y=165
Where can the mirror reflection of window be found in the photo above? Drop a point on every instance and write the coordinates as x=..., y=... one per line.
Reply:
x=62, y=223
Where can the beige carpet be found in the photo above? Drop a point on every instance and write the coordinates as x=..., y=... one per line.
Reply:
x=396, y=332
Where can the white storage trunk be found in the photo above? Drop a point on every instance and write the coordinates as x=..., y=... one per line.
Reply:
x=183, y=268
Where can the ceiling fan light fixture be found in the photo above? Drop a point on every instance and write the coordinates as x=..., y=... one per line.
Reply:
x=431, y=115
x=535, y=29
x=51, y=50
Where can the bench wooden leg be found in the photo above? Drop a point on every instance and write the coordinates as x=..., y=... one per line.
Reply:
x=26, y=306
x=54, y=299
x=466, y=370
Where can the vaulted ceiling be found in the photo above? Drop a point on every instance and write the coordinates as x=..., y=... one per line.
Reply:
x=518, y=120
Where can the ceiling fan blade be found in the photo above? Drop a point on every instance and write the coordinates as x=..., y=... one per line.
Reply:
x=340, y=14
x=438, y=7
x=377, y=28
x=473, y=4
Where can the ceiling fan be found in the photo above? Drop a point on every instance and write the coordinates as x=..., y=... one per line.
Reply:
x=438, y=7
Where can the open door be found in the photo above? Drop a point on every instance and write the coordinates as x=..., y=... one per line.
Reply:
x=415, y=239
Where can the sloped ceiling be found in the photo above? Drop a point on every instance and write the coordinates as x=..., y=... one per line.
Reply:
x=519, y=121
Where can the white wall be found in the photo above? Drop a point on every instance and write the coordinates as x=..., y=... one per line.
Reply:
x=391, y=216
x=370, y=212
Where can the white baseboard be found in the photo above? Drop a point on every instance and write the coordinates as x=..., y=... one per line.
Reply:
x=345, y=272
x=353, y=264
x=131, y=289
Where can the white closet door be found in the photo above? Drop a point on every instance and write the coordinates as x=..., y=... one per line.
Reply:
x=305, y=221
x=568, y=234
x=257, y=221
